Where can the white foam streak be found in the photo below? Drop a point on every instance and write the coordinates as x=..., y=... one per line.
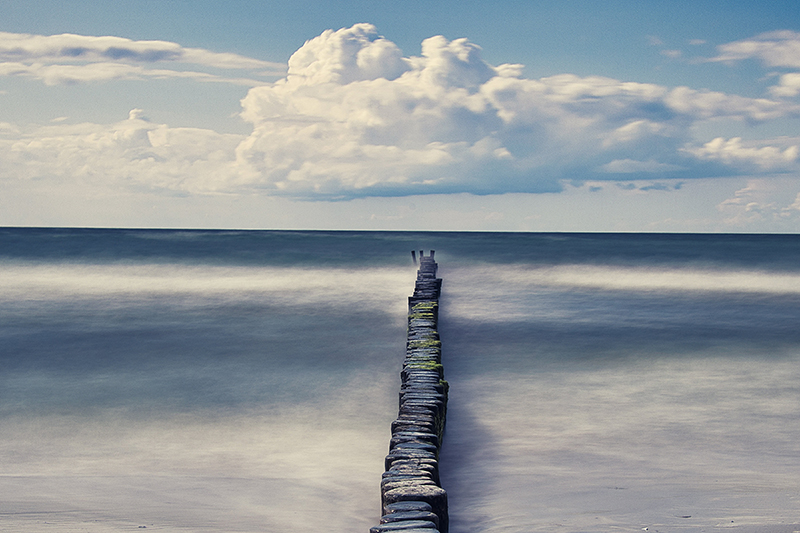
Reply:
x=512, y=293
x=284, y=285
x=639, y=279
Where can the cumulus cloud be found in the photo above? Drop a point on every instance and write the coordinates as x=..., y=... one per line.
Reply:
x=356, y=117
x=447, y=121
x=70, y=58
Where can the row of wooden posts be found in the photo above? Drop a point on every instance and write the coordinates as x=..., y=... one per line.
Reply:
x=412, y=498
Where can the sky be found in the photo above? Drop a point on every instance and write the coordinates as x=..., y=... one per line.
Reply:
x=471, y=116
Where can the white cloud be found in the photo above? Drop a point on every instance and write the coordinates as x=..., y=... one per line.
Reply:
x=135, y=153
x=69, y=58
x=356, y=117
x=449, y=122
x=629, y=166
x=92, y=72
x=795, y=206
x=7, y=127
x=763, y=200
x=706, y=105
x=345, y=57
x=758, y=155
x=788, y=86
x=775, y=49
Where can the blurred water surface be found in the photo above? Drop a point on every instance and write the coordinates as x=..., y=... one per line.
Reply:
x=245, y=380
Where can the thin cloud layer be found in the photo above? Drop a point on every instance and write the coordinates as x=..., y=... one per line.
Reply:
x=70, y=58
x=355, y=117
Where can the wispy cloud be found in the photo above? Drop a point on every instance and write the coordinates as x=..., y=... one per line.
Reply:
x=630, y=166
x=779, y=49
x=70, y=58
x=776, y=49
x=764, y=199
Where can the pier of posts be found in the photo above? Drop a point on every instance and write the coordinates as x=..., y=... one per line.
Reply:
x=412, y=498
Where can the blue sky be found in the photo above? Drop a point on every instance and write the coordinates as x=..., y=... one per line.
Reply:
x=517, y=116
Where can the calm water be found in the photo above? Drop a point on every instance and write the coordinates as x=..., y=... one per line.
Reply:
x=245, y=381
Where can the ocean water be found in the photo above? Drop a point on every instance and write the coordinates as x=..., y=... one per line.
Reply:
x=245, y=381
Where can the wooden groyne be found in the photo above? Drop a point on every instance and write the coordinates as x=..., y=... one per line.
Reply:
x=412, y=499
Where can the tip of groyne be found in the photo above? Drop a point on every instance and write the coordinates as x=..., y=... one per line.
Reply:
x=412, y=498
x=422, y=257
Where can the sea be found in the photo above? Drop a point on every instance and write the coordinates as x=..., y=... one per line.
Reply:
x=245, y=381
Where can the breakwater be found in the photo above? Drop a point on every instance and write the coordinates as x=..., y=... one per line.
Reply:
x=411, y=496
